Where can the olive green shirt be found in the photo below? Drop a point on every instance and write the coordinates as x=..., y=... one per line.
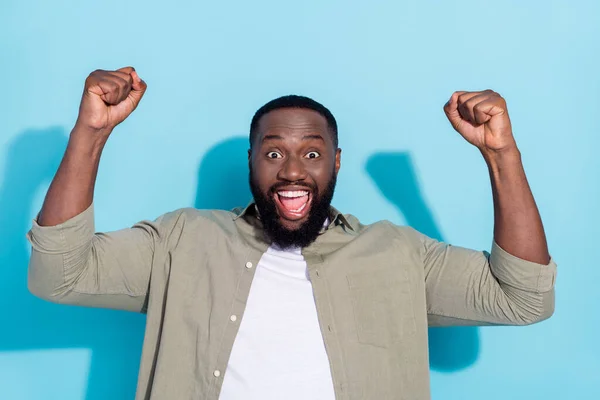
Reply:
x=376, y=287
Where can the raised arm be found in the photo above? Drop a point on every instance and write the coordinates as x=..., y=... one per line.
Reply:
x=70, y=263
x=515, y=283
x=108, y=99
x=482, y=119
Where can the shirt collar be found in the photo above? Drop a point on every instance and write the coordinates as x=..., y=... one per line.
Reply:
x=335, y=216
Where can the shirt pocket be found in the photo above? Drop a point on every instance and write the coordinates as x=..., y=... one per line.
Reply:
x=382, y=305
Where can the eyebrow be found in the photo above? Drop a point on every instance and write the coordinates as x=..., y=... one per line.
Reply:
x=305, y=137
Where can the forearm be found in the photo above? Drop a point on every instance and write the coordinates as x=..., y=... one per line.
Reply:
x=518, y=226
x=72, y=189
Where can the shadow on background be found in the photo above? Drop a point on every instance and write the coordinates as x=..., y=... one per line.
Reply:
x=114, y=337
x=223, y=184
x=223, y=176
x=451, y=348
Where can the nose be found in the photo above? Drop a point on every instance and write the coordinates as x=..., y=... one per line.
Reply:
x=292, y=170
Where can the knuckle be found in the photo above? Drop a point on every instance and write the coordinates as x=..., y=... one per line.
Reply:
x=97, y=73
x=92, y=75
x=464, y=97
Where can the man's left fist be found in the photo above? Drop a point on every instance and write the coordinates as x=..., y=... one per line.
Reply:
x=482, y=119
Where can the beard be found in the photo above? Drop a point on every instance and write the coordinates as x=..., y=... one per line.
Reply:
x=309, y=230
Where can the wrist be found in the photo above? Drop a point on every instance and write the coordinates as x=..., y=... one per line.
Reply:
x=88, y=142
x=500, y=158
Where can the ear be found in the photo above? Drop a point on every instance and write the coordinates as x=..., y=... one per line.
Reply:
x=338, y=160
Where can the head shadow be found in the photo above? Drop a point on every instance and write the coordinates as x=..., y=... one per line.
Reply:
x=451, y=348
x=223, y=181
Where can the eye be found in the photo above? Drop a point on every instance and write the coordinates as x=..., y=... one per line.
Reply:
x=312, y=154
x=274, y=155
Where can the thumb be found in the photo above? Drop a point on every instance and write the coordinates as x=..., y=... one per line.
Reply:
x=451, y=110
x=138, y=88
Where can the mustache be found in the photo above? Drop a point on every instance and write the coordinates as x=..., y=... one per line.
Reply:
x=277, y=186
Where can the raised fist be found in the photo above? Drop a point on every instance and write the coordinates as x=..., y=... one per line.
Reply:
x=482, y=119
x=108, y=99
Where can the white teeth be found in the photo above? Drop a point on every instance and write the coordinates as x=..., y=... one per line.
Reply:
x=292, y=194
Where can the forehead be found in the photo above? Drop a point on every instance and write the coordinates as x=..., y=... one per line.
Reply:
x=291, y=121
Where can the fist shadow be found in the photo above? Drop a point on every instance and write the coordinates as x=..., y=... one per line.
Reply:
x=450, y=348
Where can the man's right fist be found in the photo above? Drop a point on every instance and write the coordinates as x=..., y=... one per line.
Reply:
x=108, y=98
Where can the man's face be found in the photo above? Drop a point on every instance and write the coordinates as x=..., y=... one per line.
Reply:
x=293, y=169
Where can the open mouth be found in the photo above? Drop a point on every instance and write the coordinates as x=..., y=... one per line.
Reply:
x=293, y=204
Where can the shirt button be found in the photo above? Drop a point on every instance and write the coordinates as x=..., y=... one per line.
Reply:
x=248, y=265
x=233, y=318
x=217, y=373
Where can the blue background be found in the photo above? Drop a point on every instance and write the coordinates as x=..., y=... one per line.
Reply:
x=385, y=69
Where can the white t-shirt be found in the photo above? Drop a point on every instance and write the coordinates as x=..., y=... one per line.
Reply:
x=279, y=352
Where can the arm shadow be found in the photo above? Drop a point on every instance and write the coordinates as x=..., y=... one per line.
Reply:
x=450, y=348
x=114, y=337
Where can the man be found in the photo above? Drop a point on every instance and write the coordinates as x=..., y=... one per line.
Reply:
x=288, y=298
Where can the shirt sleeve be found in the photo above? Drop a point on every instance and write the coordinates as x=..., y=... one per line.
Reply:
x=72, y=264
x=468, y=287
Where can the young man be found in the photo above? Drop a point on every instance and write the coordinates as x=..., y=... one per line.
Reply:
x=288, y=298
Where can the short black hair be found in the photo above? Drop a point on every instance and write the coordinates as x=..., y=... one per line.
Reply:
x=294, y=101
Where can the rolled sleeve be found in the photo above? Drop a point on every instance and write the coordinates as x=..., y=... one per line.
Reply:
x=70, y=263
x=469, y=287
x=71, y=234
x=522, y=274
